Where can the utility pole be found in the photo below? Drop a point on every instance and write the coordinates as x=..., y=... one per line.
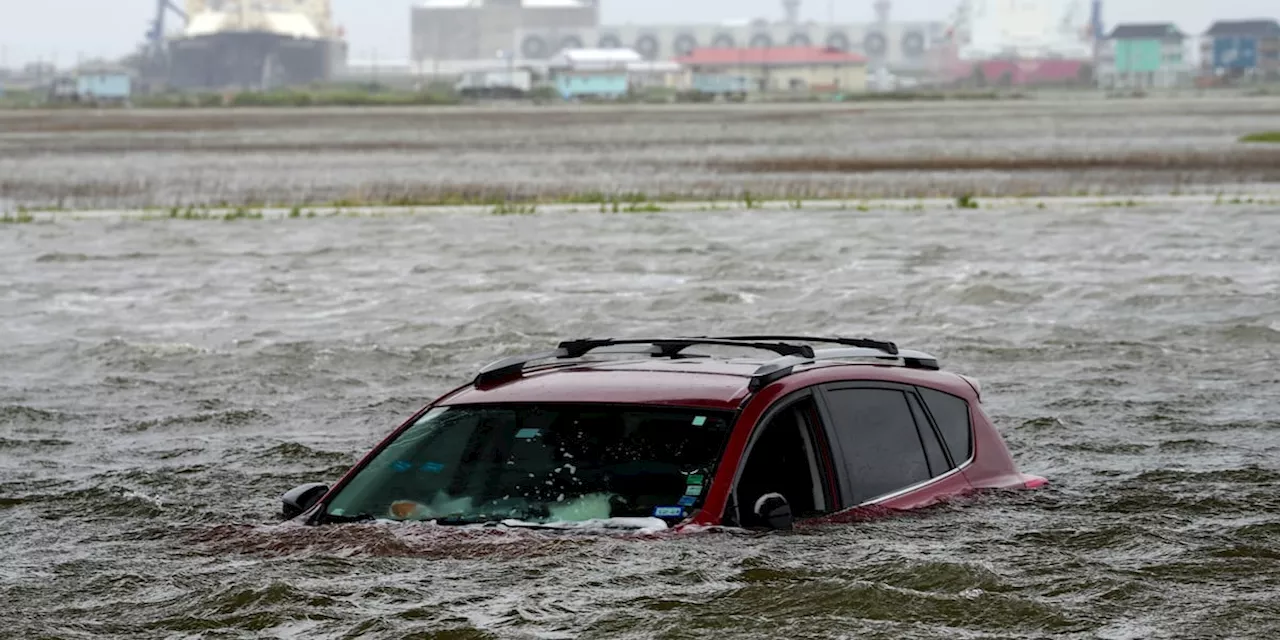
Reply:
x=882, y=9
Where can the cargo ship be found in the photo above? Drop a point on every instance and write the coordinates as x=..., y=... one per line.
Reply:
x=255, y=44
x=1023, y=42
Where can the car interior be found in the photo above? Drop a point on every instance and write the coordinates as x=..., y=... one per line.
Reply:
x=781, y=460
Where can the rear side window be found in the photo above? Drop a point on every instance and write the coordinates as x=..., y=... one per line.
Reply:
x=932, y=448
x=878, y=437
x=951, y=414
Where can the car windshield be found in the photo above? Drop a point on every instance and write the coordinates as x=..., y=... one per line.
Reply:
x=539, y=464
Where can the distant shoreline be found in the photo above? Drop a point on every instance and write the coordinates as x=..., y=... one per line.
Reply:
x=1269, y=195
x=340, y=98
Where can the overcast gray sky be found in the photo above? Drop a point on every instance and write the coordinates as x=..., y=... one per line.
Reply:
x=64, y=30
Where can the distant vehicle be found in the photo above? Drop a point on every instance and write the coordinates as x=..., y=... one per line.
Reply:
x=666, y=438
x=516, y=83
x=884, y=80
x=63, y=89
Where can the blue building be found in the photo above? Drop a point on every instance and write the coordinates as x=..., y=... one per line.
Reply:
x=1242, y=49
x=593, y=73
x=104, y=86
x=594, y=84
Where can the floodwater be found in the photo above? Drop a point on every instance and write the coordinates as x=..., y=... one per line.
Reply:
x=163, y=381
x=309, y=157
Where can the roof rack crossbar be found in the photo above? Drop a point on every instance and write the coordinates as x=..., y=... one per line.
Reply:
x=658, y=348
x=782, y=367
x=671, y=347
x=867, y=343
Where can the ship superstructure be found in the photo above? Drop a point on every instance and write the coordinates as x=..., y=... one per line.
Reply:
x=256, y=44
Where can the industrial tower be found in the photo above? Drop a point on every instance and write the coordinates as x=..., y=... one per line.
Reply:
x=882, y=9
x=792, y=10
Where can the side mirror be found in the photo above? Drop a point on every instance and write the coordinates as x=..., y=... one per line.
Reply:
x=774, y=510
x=299, y=499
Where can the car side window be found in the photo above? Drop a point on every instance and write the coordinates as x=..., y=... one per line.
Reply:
x=788, y=456
x=878, y=439
x=929, y=438
x=951, y=414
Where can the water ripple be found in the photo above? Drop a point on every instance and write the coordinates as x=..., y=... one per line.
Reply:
x=161, y=383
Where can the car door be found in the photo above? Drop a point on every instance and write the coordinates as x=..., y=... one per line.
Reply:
x=788, y=453
x=884, y=441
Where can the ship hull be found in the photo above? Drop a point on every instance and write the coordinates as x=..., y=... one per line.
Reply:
x=251, y=60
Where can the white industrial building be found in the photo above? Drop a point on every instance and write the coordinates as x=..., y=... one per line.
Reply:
x=460, y=30
x=447, y=32
x=1026, y=29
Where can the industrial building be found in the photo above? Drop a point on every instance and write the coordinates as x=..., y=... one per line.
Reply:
x=1026, y=29
x=259, y=44
x=472, y=30
x=777, y=69
x=248, y=44
x=1026, y=42
x=448, y=33
x=901, y=46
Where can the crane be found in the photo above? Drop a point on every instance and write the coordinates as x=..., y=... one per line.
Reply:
x=155, y=35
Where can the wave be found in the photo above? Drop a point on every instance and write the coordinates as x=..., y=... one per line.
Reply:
x=982, y=295
x=17, y=415
x=71, y=258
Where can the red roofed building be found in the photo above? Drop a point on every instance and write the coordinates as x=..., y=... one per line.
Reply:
x=776, y=69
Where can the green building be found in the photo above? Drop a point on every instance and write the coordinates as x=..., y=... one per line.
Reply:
x=1144, y=56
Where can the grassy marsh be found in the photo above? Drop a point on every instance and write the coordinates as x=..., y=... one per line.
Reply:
x=1265, y=136
x=628, y=159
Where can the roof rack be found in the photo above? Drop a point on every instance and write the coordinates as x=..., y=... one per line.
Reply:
x=785, y=365
x=867, y=343
x=658, y=348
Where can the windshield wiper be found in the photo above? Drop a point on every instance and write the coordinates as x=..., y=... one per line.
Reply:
x=326, y=518
x=486, y=520
x=458, y=521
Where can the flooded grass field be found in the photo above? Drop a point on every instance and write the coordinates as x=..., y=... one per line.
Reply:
x=163, y=381
x=285, y=157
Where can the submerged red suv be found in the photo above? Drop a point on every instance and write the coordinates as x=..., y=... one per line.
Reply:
x=649, y=434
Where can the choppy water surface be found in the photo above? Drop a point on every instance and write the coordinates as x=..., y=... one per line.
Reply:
x=161, y=382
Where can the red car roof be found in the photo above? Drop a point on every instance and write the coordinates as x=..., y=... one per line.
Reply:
x=709, y=383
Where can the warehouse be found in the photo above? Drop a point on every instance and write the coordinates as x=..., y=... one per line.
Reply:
x=779, y=69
